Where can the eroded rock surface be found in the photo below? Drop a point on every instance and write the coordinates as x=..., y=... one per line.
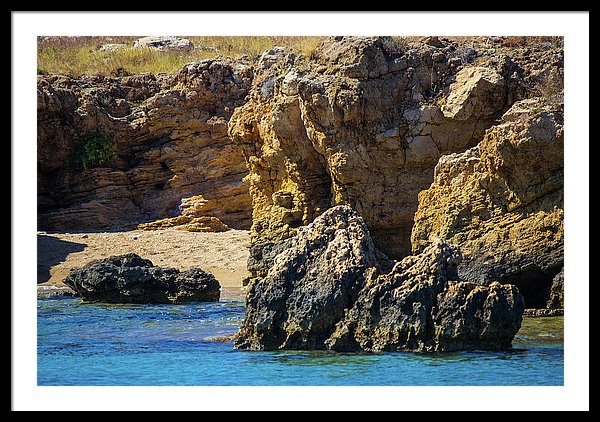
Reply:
x=502, y=203
x=165, y=43
x=363, y=122
x=132, y=279
x=332, y=289
x=168, y=141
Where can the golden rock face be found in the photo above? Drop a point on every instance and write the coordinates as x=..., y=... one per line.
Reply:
x=344, y=128
x=502, y=203
x=424, y=139
x=168, y=135
x=422, y=144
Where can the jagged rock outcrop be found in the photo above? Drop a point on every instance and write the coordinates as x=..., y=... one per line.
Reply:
x=332, y=289
x=362, y=122
x=502, y=203
x=163, y=139
x=132, y=279
x=556, y=298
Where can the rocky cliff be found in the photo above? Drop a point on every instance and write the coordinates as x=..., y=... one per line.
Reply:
x=426, y=139
x=117, y=151
x=363, y=122
x=502, y=203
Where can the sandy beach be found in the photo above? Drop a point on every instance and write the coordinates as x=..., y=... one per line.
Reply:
x=223, y=254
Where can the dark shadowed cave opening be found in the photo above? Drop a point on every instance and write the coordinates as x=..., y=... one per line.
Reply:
x=534, y=284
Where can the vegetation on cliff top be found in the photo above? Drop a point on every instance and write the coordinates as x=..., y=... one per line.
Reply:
x=81, y=55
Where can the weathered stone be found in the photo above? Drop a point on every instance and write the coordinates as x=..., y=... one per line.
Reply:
x=476, y=93
x=165, y=43
x=262, y=256
x=170, y=145
x=419, y=306
x=556, y=298
x=310, y=284
x=502, y=203
x=332, y=289
x=132, y=279
x=111, y=47
x=341, y=128
x=190, y=224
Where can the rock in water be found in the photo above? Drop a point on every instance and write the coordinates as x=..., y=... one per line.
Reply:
x=332, y=289
x=310, y=284
x=132, y=279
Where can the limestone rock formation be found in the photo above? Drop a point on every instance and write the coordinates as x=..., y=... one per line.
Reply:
x=363, y=122
x=193, y=217
x=165, y=43
x=476, y=93
x=163, y=144
x=184, y=222
x=274, y=143
x=332, y=289
x=556, y=298
x=132, y=279
x=502, y=203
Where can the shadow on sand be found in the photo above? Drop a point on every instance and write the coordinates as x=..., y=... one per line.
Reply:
x=52, y=251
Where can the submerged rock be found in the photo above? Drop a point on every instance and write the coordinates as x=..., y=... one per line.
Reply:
x=132, y=279
x=332, y=289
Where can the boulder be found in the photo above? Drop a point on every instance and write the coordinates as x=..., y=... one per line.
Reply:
x=332, y=289
x=310, y=285
x=111, y=48
x=165, y=43
x=476, y=93
x=132, y=279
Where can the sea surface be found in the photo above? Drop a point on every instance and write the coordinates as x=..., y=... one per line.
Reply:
x=157, y=345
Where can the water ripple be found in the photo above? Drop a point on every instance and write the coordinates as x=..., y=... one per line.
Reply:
x=101, y=344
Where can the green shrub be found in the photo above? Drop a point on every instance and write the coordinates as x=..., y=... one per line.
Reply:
x=94, y=149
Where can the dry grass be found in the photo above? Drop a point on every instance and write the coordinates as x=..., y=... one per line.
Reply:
x=76, y=56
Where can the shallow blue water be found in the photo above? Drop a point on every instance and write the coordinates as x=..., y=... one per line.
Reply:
x=92, y=344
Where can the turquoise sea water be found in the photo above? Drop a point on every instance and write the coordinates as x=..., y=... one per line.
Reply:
x=118, y=345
